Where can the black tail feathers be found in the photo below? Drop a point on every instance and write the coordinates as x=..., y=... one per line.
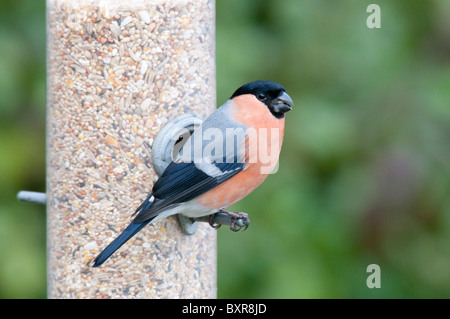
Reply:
x=129, y=232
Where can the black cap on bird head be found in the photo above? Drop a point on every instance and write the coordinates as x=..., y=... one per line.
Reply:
x=270, y=93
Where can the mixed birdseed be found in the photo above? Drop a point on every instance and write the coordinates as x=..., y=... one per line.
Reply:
x=117, y=72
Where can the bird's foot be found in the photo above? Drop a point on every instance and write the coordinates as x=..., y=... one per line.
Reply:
x=235, y=216
x=211, y=222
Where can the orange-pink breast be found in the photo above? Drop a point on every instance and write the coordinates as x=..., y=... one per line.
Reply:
x=263, y=152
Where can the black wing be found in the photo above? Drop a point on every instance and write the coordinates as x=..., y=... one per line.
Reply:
x=182, y=182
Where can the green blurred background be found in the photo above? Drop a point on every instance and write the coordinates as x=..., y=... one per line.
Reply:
x=364, y=171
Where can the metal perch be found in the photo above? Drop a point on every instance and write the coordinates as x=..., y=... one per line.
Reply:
x=189, y=225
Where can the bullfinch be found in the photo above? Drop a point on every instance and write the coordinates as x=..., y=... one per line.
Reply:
x=226, y=158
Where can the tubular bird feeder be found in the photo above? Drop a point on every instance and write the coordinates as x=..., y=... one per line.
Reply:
x=117, y=73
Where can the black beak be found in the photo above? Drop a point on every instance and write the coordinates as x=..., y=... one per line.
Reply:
x=282, y=103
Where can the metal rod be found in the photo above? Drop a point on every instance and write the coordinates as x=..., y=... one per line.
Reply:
x=32, y=197
x=220, y=219
x=41, y=198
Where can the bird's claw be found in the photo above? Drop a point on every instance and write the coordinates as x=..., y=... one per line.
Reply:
x=211, y=222
x=235, y=216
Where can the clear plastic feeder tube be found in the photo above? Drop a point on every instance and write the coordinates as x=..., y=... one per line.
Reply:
x=117, y=72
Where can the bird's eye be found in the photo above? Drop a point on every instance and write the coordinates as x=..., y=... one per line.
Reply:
x=261, y=96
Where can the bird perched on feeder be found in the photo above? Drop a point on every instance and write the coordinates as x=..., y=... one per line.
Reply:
x=207, y=177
